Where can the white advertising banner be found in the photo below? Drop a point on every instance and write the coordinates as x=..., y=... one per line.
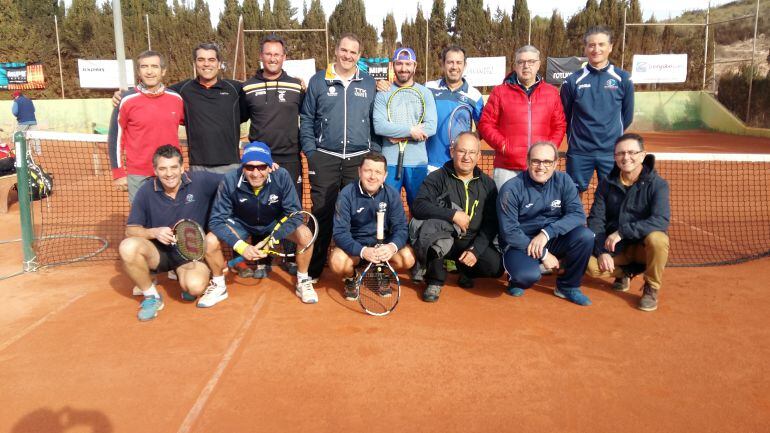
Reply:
x=660, y=68
x=103, y=74
x=485, y=71
x=302, y=69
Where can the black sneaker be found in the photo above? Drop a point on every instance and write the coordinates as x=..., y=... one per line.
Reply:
x=383, y=284
x=465, y=281
x=351, y=291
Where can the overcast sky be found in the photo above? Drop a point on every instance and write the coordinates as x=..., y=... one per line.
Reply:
x=377, y=9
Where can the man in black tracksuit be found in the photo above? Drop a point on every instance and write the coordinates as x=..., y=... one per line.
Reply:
x=336, y=133
x=272, y=100
x=463, y=197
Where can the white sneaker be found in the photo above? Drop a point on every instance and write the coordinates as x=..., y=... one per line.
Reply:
x=136, y=291
x=172, y=275
x=213, y=295
x=306, y=292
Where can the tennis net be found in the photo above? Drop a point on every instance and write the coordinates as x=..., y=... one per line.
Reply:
x=720, y=203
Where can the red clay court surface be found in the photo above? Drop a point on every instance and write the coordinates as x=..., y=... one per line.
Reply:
x=73, y=357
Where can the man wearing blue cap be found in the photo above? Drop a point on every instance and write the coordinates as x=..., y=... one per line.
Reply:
x=249, y=203
x=415, y=155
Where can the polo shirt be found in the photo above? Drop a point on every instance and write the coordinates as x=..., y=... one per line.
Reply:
x=152, y=207
x=212, y=120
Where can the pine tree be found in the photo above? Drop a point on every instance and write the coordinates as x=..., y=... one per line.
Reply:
x=504, y=37
x=252, y=20
x=389, y=33
x=227, y=30
x=470, y=26
x=557, y=38
x=314, y=43
x=520, y=18
x=350, y=16
x=438, y=37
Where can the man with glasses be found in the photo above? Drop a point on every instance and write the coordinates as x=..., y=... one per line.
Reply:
x=630, y=217
x=250, y=202
x=521, y=111
x=599, y=105
x=542, y=221
x=456, y=204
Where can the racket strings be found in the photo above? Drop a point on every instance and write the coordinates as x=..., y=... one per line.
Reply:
x=190, y=241
x=377, y=290
x=406, y=107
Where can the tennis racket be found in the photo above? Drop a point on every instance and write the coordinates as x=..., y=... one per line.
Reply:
x=461, y=120
x=271, y=245
x=190, y=240
x=405, y=107
x=379, y=287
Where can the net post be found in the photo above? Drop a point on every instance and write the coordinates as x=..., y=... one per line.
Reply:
x=25, y=204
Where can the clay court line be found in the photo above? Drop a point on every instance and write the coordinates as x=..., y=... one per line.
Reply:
x=39, y=322
x=696, y=228
x=197, y=408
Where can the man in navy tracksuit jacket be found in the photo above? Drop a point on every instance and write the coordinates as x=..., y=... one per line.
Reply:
x=355, y=224
x=542, y=221
x=335, y=133
x=598, y=104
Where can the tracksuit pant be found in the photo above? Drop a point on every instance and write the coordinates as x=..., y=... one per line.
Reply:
x=573, y=249
x=581, y=168
x=488, y=264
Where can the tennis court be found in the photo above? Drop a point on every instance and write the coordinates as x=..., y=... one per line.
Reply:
x=74, y=358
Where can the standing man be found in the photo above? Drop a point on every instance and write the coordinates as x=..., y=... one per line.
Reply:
x=630, y=217
x=160, y=202
x=598, y=105
x=449, y=92
x=542, y=221
x=521, y=111
x=273, y=100
x=335, y=134
x=24, y=110
x=251, y=201
x=415, y=155
x=147, y=117
x=459, y=200
x=355, y=224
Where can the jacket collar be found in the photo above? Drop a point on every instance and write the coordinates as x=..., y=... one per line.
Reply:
x=260, y=75
x=331, y=75
x=158, y=187
x=463, y=87
x=449, y=166
x=243, y=183
x=366, y=194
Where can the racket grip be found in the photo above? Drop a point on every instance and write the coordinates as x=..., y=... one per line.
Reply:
x=234, y=261
x=400, y=166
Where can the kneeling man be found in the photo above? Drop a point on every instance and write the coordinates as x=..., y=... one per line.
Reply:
x=542, y=221
x=250, y=202
x=160, y=202
x=355, y=224
x=630, y=217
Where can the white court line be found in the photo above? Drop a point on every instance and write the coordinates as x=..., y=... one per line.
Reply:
x=197, y=408
x=698, y=229
x=39, y=322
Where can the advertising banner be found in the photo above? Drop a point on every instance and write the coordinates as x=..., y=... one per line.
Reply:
x=103, y=74
x=559, y=68
x=660, y=68
x=21, y=76
x=485, y=71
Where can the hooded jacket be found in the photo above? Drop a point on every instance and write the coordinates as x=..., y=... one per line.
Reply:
x=512, y=121
x=634, y=211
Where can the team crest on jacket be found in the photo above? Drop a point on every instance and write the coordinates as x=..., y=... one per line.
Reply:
x=273, y=199
x=189, y=198
x=332, y=91
x=556, y=204
x=360, y=92
x=611, y=84
x=281, y=96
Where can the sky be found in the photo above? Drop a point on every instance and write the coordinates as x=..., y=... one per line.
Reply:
x=377, y=9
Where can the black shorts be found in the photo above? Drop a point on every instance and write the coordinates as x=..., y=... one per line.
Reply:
x=170, y=259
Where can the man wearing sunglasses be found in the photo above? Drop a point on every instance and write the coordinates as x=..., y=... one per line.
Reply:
x=542, y=221
x=250, y=202
x=630, y=216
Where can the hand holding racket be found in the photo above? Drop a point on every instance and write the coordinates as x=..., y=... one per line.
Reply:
x=189, y=239
x=271, y=246
x=405, y=107
x=379, y=287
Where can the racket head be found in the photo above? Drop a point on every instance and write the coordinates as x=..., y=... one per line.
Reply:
x=460, y=120
x=190, y=239
x=406, y=106
x=379, y=289
x=309, y=220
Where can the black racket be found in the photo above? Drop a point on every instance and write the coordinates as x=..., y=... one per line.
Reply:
x=461, y=120
x=379, y=287
x=190, y=240
x=271, y=245
x=406, y=107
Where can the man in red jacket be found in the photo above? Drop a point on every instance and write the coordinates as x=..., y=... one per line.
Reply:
x=520, y=112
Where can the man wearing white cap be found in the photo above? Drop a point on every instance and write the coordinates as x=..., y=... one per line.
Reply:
x=250, y=202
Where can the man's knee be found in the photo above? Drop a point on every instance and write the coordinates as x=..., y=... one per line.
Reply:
x=212, y=243
x=194, y=277
x=406, y=257
x=657, y=241
x=131, y=249
x=339, y=262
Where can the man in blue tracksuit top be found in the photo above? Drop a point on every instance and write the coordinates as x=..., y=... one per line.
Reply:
x=542, y=221
x=250, y=202
x=335, y=132
x=598, y=104
x=355, y=224
x=415, y=155
x=450, y=91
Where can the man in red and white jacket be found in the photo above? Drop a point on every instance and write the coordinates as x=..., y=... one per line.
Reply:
x=148, y=117
x=520, y=112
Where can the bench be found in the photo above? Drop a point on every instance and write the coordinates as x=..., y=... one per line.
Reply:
x=6, y=184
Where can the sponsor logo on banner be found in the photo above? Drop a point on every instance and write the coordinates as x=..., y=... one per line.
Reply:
x=103, y=74
x=558, y=69
x=661, y=68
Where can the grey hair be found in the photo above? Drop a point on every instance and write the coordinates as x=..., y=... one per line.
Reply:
x=527, y=49
x=543, y=144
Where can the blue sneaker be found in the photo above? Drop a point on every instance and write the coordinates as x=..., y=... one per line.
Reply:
x=573, y=295
x=149, y=308
x=186, y=296
x=515, y=291
x=262, y=271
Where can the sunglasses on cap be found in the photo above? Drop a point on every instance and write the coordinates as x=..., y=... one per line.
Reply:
x=260, y=167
